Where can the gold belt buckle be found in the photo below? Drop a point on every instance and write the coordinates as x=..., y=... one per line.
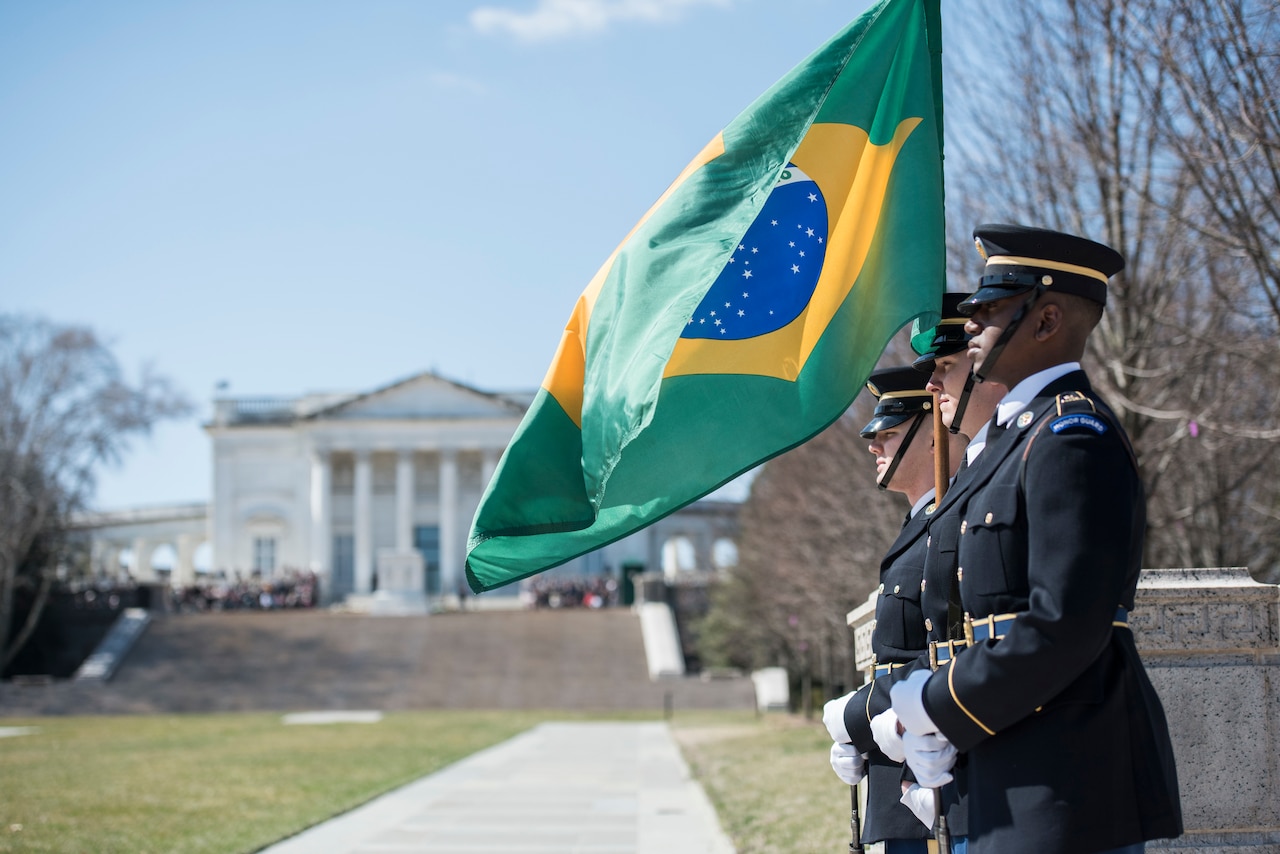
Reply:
x=952, y=646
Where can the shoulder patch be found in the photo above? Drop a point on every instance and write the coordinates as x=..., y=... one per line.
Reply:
x=1079, y=419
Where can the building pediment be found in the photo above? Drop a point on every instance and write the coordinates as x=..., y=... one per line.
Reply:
x=424, y=396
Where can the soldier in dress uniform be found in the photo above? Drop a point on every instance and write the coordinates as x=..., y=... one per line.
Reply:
x=1067, y=747
x=965, y=409
x=901, y=439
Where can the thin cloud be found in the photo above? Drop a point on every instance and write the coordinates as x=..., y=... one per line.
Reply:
x=448, y=81
x=560, y=19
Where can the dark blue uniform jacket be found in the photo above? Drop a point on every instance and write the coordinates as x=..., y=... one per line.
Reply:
x=898, y=638
x=1067, y=746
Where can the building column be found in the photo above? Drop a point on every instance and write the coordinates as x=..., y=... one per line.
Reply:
x=404, y=502
x=184, y=567
x=488, y=465
x=450, y=562
x=111, y=562
x=98, y=551
x=321, y=513
x=222, y=515
x=363, y=541
x=141, y=569
x=702, y=552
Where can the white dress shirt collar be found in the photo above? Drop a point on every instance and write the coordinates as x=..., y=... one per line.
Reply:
x=1021, y=394
x=976, y=444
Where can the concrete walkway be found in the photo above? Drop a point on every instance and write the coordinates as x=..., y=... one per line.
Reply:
x=560, y=788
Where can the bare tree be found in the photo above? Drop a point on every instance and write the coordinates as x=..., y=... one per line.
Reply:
x=1152, y=125
x=1219, y=111
x=1216, y=106
x=65, y=409
x=814, y=530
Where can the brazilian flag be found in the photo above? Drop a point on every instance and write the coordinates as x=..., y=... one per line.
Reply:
x=744, y=312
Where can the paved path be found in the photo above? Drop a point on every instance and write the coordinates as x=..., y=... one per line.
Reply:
x=560, y=788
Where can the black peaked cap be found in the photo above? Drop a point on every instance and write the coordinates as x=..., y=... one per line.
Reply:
x=1020, y=258
x=900, y=395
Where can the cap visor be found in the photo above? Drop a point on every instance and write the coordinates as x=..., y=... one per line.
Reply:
x=990, y=293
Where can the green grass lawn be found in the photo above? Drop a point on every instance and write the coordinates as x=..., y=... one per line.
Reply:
x=237, y=782
x=770, y=780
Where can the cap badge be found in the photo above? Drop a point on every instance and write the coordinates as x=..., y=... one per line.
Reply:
x=982, y=250
x=1025, y=418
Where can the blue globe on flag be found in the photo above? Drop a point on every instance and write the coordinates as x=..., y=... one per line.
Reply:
x=772, y=273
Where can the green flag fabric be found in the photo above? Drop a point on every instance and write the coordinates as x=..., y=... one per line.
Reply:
x=744, y=312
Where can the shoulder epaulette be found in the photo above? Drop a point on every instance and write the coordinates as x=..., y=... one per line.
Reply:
x=1075, y=410
x=1069, y=401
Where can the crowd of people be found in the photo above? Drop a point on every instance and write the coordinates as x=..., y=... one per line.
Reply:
x=600, y=591
x=218, y=592
x=292, y=589
x=102, y=595
x=301, y=589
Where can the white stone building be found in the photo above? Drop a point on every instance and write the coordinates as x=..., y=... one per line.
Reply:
x=335, y=483
x=344, y=485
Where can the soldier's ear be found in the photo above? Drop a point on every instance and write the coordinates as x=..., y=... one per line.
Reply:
x=1048, y=320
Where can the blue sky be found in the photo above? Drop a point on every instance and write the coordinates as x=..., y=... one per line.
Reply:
x=328, y=196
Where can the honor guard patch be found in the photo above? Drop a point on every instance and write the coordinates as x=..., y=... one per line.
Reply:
x=1083, y=419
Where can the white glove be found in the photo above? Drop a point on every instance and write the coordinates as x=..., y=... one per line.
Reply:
x=908, y=705
x=833, y=717
x=930, y=757
x=847, y=762
x=919, y=800
x=884, y=729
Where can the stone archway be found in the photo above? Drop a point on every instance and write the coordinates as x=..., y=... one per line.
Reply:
x=678, y=556
x=139, y=542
